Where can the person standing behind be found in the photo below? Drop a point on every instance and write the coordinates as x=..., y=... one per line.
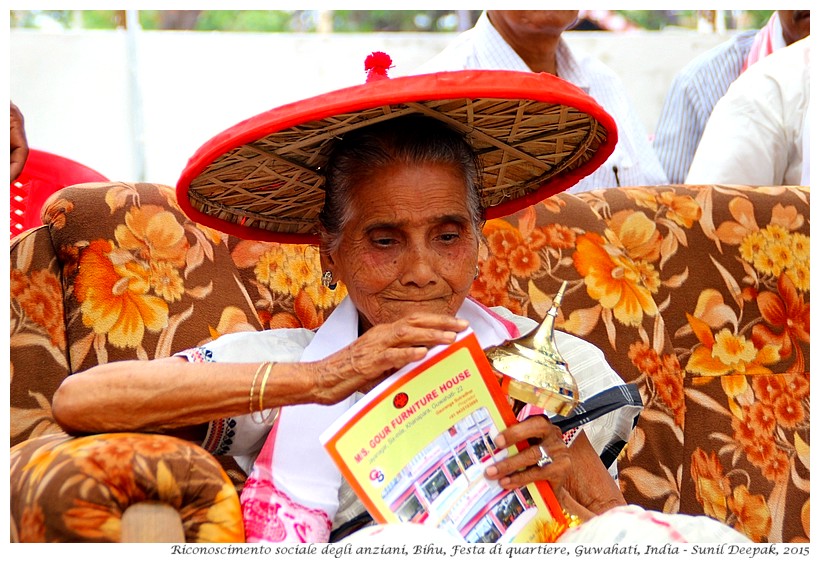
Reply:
x=703, y=81
x=530, y=40
x=755, y=134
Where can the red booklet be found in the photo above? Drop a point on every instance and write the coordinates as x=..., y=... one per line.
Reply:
x=415, y=448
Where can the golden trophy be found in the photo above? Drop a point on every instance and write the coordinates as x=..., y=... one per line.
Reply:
x=532, y=368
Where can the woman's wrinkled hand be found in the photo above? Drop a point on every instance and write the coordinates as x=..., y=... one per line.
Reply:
x=522, y=468
x=381, y=351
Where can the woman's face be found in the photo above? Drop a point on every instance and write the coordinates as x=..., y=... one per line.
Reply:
x=409, y=245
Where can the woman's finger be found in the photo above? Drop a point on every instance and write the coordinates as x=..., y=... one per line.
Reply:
x=523, y=467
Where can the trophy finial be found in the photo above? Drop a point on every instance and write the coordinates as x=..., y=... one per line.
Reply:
x=534, y=370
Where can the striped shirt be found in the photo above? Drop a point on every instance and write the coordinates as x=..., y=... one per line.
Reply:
x=693, y=94
x=633, y=162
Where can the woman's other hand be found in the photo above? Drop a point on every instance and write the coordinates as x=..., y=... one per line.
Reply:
x=523, y=468
x=381, y=351
x=579, y=480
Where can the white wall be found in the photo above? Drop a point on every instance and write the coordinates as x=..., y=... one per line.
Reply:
x=75, y=94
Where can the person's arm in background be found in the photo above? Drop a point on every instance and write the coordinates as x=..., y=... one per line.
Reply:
x=743, y=142
x=754, y=134
x=18, y=143
x=679, y=129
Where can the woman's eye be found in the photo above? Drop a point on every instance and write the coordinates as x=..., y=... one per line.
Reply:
x=383, y=241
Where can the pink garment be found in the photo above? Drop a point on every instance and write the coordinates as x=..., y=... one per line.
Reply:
x=767, y=40
x=270, y=515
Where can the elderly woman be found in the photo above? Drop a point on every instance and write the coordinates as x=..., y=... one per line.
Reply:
x=402, y=206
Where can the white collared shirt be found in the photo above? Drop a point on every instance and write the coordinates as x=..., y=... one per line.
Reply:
x=755, y=133
x=633, y=162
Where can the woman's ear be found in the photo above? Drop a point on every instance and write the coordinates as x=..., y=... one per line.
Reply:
x=326, y=261
x=325, y=257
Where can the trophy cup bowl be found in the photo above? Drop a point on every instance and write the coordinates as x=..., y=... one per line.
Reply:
x=532, y=368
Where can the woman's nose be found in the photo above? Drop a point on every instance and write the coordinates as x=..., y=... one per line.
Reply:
x=419, y=266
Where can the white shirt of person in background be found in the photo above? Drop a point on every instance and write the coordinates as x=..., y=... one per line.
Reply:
x=633, y=163
x=755, y=135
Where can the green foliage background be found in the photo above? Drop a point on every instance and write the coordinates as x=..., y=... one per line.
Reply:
x=343, y=20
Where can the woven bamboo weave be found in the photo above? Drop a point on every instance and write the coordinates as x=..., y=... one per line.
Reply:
x=276, y=183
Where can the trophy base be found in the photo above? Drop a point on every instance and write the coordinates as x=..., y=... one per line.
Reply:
x=561, y=403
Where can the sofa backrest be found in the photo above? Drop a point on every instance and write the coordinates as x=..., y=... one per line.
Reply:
x=697, y=294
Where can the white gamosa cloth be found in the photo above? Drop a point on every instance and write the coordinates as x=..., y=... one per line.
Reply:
x=292, y=492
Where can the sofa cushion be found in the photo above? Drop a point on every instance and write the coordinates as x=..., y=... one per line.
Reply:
x=77, y=489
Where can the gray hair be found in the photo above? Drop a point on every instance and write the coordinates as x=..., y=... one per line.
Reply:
x=411, y=139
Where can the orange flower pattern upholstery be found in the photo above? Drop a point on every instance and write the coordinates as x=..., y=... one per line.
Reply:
x=109, y=472
x=699, y=294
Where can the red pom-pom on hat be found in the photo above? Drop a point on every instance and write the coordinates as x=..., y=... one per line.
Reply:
x=376, y=65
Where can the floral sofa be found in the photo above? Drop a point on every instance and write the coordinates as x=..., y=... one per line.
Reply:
x=698, y=294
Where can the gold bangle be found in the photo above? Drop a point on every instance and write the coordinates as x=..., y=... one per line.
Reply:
x=262, y=385
x=253, y=385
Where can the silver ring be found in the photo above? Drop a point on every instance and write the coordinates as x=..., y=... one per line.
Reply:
x=545, y=458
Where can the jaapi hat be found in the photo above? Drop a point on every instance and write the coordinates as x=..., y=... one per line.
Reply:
x=535, y=135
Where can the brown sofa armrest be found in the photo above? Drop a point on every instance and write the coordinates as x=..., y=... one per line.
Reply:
x=76, y=489
x=38, y=348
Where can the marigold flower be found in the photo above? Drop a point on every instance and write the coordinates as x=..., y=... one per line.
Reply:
x=752, y=246
x=775, y=233
x=523, y=262
x=711, y=487
x=683, y=210
x=789, y=413
x=776, y=467
x=752, y=512
x=166, y=281
x=536, y=239
x=745, y=430
x=637, y=233
x=644, y=358
x=40, y=298
x=761, y=418
x=114, y=299
x=503, y=241
x=613, y=281
x=768, y=388
x=796, y=385
x=559, y=236
x=800, y=244
x=323, y=297
x=732, y=349
x=760, y=450
x=154, y=233
x=798, y=274
x=670, y=390
x=495, y=273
